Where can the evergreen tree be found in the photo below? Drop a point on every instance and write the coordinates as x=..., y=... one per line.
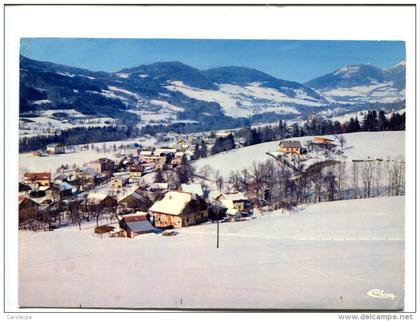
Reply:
x=203, y=149
x=382, y=121
x=356, y=125
x=197, y=153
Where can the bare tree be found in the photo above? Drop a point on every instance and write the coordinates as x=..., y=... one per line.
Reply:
x=75, y=213
x=235, y=181
x=340, y=173
x=377, y=178
x=317, y=183
x=97, y=211
x=206, y=171
x=367, y=177
x=218, y=178
x=342, y=141
x=330, y=181
x=355, y=179
x=397, y=177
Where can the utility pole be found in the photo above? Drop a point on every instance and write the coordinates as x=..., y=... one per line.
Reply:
x=217, y=230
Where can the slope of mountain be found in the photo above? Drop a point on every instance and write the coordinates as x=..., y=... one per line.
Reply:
x=362, y=83
x=170, y=92
x=162, y=92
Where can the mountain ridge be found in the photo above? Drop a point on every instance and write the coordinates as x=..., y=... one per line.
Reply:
x=171, y=91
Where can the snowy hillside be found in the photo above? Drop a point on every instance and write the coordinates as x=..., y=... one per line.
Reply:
x=362, y=145
x=170, y=92
x=250, y=99
x=376, y=92
x=362, y=83
x=324, y=257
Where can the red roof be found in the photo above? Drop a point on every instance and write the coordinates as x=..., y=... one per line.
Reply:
x=323, y=139
x=38, y=176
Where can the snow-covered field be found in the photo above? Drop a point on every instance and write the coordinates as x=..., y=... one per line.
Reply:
x=244, y=101
x=360, y=145
x=375, y=92
x=52, y=162
x=327, y=256
x=46, y=124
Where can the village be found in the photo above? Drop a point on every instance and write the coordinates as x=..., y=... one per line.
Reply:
x=132, y=190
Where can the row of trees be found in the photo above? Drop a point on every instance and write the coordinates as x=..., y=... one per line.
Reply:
x=372, y=121
x=223, y=144
x=74, y=212
x=275, y=184
x=78, y=135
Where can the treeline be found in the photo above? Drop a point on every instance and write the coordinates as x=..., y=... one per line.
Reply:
x=223, y=144
x=76, y=136
x=372, y=121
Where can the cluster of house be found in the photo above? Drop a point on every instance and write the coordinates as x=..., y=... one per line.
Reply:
x=295, y=147
x=179, y=145
x=107, y=184
x=143, y=210
x=164, y=157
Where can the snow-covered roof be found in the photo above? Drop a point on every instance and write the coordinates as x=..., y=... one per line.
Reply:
x=223, y=134
x=192, y=188
x=89, y=171
x=120, y=178
x=63, y=186
x=132, y=193
x=96, y=197
x=160, y=185
x=239, y=196
x=121, y=174
x=60, y=176
x=291, y=144
x=140, y=213
x=173, y=203
x=165, y=150
x=232, y=211
x=55, y=145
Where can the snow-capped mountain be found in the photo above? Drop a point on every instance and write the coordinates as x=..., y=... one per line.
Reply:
x=164, y=92
x=171, y=92
x=362, y=84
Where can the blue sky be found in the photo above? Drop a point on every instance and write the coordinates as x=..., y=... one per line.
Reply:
x=297, y=60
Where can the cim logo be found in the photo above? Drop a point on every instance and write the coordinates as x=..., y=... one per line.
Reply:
x=380, y=294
